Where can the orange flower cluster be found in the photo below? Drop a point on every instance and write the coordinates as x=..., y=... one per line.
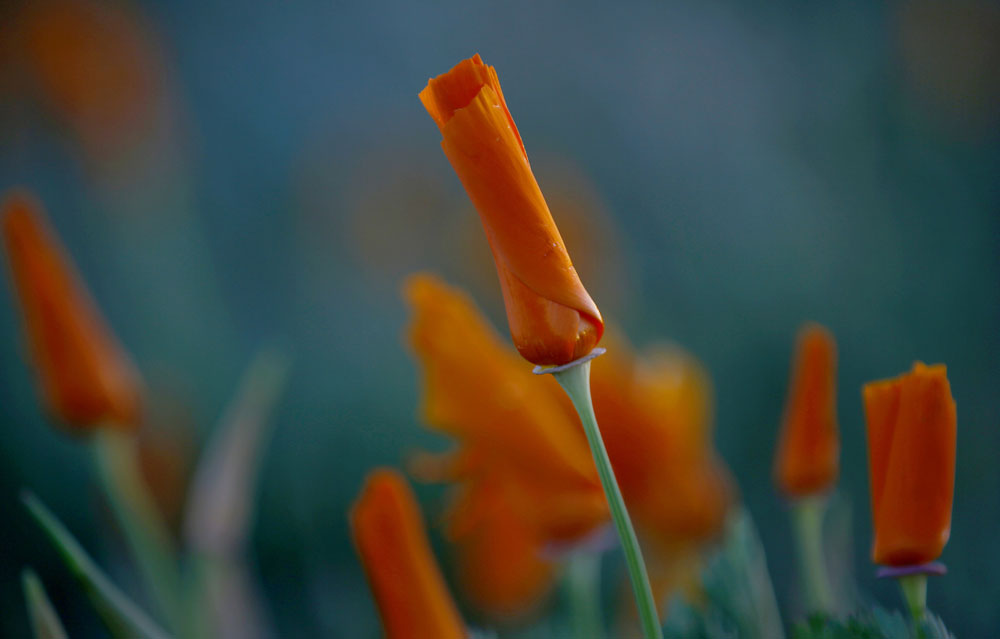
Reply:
x=525, y=474
x=552, y=318
x=86, y=378
x=389, y=534
x=807, y=458
x=911, y=461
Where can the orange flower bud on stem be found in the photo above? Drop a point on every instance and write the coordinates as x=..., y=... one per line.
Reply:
x=911, y=462
x=575, y=380
x=806, y=461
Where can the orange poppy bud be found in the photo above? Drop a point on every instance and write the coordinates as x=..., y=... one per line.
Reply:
x=86, y=378
x=809, y=447
x=911, y=462
x=552, y=318
x=412, y=598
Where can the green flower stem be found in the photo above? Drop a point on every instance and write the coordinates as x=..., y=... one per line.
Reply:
x=583, y=589
x=914, y=589
x=575, y=380
x=807, y=514
x=150, y=544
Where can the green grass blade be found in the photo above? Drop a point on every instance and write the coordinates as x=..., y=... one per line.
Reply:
x=124, y=618
x=44, y=620
x=220, y=503
x=220, y=507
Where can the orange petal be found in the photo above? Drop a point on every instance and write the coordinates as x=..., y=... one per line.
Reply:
x=500, y=564
x=552, y=318
x=913, y=512
x=476, y=389
x=655, y=416
x=86, y=378
x=807, y=458
x=389, y=534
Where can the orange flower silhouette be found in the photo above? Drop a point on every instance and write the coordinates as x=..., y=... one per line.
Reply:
x=552, y=318
x=411, y=594
x=807, y=458
x=522, y=463
x=911, y=461
x=86, y=378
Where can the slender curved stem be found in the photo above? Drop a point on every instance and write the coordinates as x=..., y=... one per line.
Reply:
x=142, y=524
x=575, y=380
x=807, y=514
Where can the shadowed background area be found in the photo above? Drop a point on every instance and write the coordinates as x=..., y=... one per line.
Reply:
x=721, y=173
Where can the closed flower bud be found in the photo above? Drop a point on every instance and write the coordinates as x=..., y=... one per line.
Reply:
x=552, y=318
x=86, y=378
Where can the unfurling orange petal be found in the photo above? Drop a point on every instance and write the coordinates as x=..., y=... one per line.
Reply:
x=552, y=318
x=911, y=455
x=807, y=458
x=86, y=378
x=411, y=594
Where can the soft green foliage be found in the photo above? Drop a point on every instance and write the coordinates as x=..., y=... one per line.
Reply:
x=875, y=623
x=44, y=620
x=741, y=600
x=123, y=617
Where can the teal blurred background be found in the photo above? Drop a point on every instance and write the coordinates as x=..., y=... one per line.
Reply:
x=723, y=171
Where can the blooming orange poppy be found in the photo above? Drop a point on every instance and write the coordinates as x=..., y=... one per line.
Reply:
x=551, y=316
x=522, y=457
x=807, y=458
x=412, y=598
x=86, y=378
x=911, y=462
x=521, y=452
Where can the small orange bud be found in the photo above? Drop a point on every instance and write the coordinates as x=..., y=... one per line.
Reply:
x=552, y=318
x=807, y=461
x=86, y=378
x=911, y=461
x=389, y=534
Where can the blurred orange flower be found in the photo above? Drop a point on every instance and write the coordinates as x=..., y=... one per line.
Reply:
x=526, y=478
x=656, y=419
x=807, y=458
x=96, y=66
x=911, y=461
x=522, y=460
x=86, y=378
x=552, y=318
x=389, y=534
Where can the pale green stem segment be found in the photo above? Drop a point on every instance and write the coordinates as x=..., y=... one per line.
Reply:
x=575, y=380
x=914, y=589
x=583, y=589
x=45, y=622
x=149, y=542
x=807, y=514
